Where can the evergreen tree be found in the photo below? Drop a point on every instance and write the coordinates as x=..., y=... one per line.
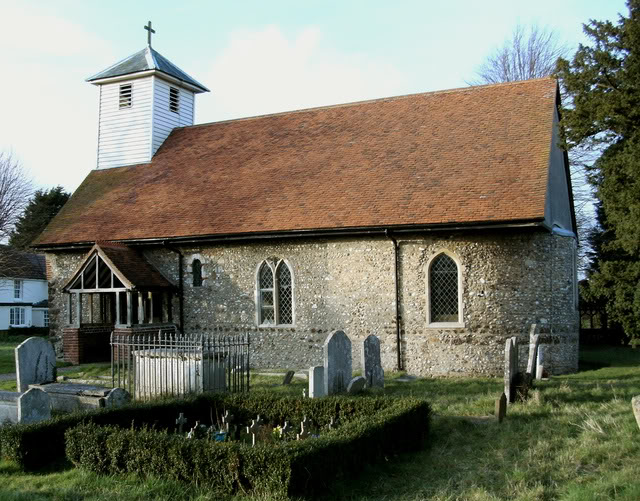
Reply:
x=603, y=82
x=36, y=216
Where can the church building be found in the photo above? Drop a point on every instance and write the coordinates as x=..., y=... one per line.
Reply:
x=441, y=222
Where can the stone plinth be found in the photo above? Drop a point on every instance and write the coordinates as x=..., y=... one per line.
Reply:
x=69, y=397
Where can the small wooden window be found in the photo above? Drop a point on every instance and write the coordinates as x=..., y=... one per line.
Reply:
x=174, y=99
x=125, y=96
x=17, y=289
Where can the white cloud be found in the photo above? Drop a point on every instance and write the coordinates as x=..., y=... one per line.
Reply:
x=49, y=119
x=264, y=71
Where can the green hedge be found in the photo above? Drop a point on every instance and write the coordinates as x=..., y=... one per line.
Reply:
x=370, y=428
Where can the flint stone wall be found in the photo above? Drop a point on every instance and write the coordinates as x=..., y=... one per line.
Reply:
x=509, y=281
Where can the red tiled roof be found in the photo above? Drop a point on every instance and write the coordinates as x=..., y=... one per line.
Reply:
x=129, y=263
x=471, y=155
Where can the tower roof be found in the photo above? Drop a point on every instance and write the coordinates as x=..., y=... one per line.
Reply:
x=147, y=60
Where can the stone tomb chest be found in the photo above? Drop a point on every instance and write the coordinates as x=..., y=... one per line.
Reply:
x=178, y=371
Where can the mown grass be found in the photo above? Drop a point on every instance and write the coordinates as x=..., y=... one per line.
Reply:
x=577, y=440
x=7, y=354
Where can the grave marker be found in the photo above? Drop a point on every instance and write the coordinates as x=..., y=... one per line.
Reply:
x=534, y=340
x=371, y=364
x=304, y=429
x=510, y=368
x=337, y=362
x=181, y=421
x=540, y=362
x=635, y=405
x=356, y=385
x=288, y=377
x=501, y=408
x=35, y=363
x=316, y=381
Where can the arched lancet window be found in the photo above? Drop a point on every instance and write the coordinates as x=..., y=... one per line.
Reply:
x=444, y=291
x=266, y=295
x=275, y=294
x=196, y=270
x=285, y=296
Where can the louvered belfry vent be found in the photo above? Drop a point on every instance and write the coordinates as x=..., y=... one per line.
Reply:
x=126, y=92
x=174, y=100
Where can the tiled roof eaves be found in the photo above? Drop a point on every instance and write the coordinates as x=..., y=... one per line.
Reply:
x=473, y=156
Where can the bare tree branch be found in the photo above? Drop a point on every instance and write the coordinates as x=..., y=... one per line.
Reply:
x=15, y=191
x=529, y=53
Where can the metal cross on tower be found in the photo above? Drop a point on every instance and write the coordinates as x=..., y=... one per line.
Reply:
x=150, y=31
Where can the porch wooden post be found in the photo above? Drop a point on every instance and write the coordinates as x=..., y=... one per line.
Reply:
x=150, y=295
x=129, y=308
x=117, y=309
x=90, y=308
x=170, y=306
x=78, y=309
x=140, y=308
x=70, y=309
x=166, y=301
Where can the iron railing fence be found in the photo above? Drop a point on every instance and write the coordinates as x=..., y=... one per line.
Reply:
x=152, y=365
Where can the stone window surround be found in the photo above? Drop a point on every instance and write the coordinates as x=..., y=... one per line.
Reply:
x=444, y=325
x=274, y=264
x=203, y=268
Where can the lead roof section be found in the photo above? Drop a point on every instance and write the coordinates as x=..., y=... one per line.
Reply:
x=145, y=60
x=473, y=155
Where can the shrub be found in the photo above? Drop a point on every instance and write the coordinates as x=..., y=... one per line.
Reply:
x=371, y=428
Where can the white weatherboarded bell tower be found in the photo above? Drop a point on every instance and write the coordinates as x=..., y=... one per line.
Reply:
x=142, y=98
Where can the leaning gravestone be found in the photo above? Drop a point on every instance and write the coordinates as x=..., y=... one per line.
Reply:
x=287, y=378
x=337, y=362
x=35, y=363
x=356, y=385
x=371, y=365
x=510, y=368
x=316, y=381
x=534, y=340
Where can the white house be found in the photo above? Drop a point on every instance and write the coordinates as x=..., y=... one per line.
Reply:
x=23, y=290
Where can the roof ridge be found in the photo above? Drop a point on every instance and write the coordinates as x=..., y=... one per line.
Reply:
x=470, y=88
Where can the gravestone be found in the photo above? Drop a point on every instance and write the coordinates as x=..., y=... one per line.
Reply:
x=316, y=382
x=540, y=362
x=371, y=364
x=356, y=385
x=635, y=405
x=35, y=363
x=31, y=406
x=304, y=429
x=181, y=421
x=534, y=340
x=337, y=362
x=288, y=377
x=501, y=408
x=510, y=368
x=34, y=406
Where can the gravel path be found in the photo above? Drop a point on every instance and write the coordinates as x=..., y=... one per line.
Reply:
x=12, y=375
